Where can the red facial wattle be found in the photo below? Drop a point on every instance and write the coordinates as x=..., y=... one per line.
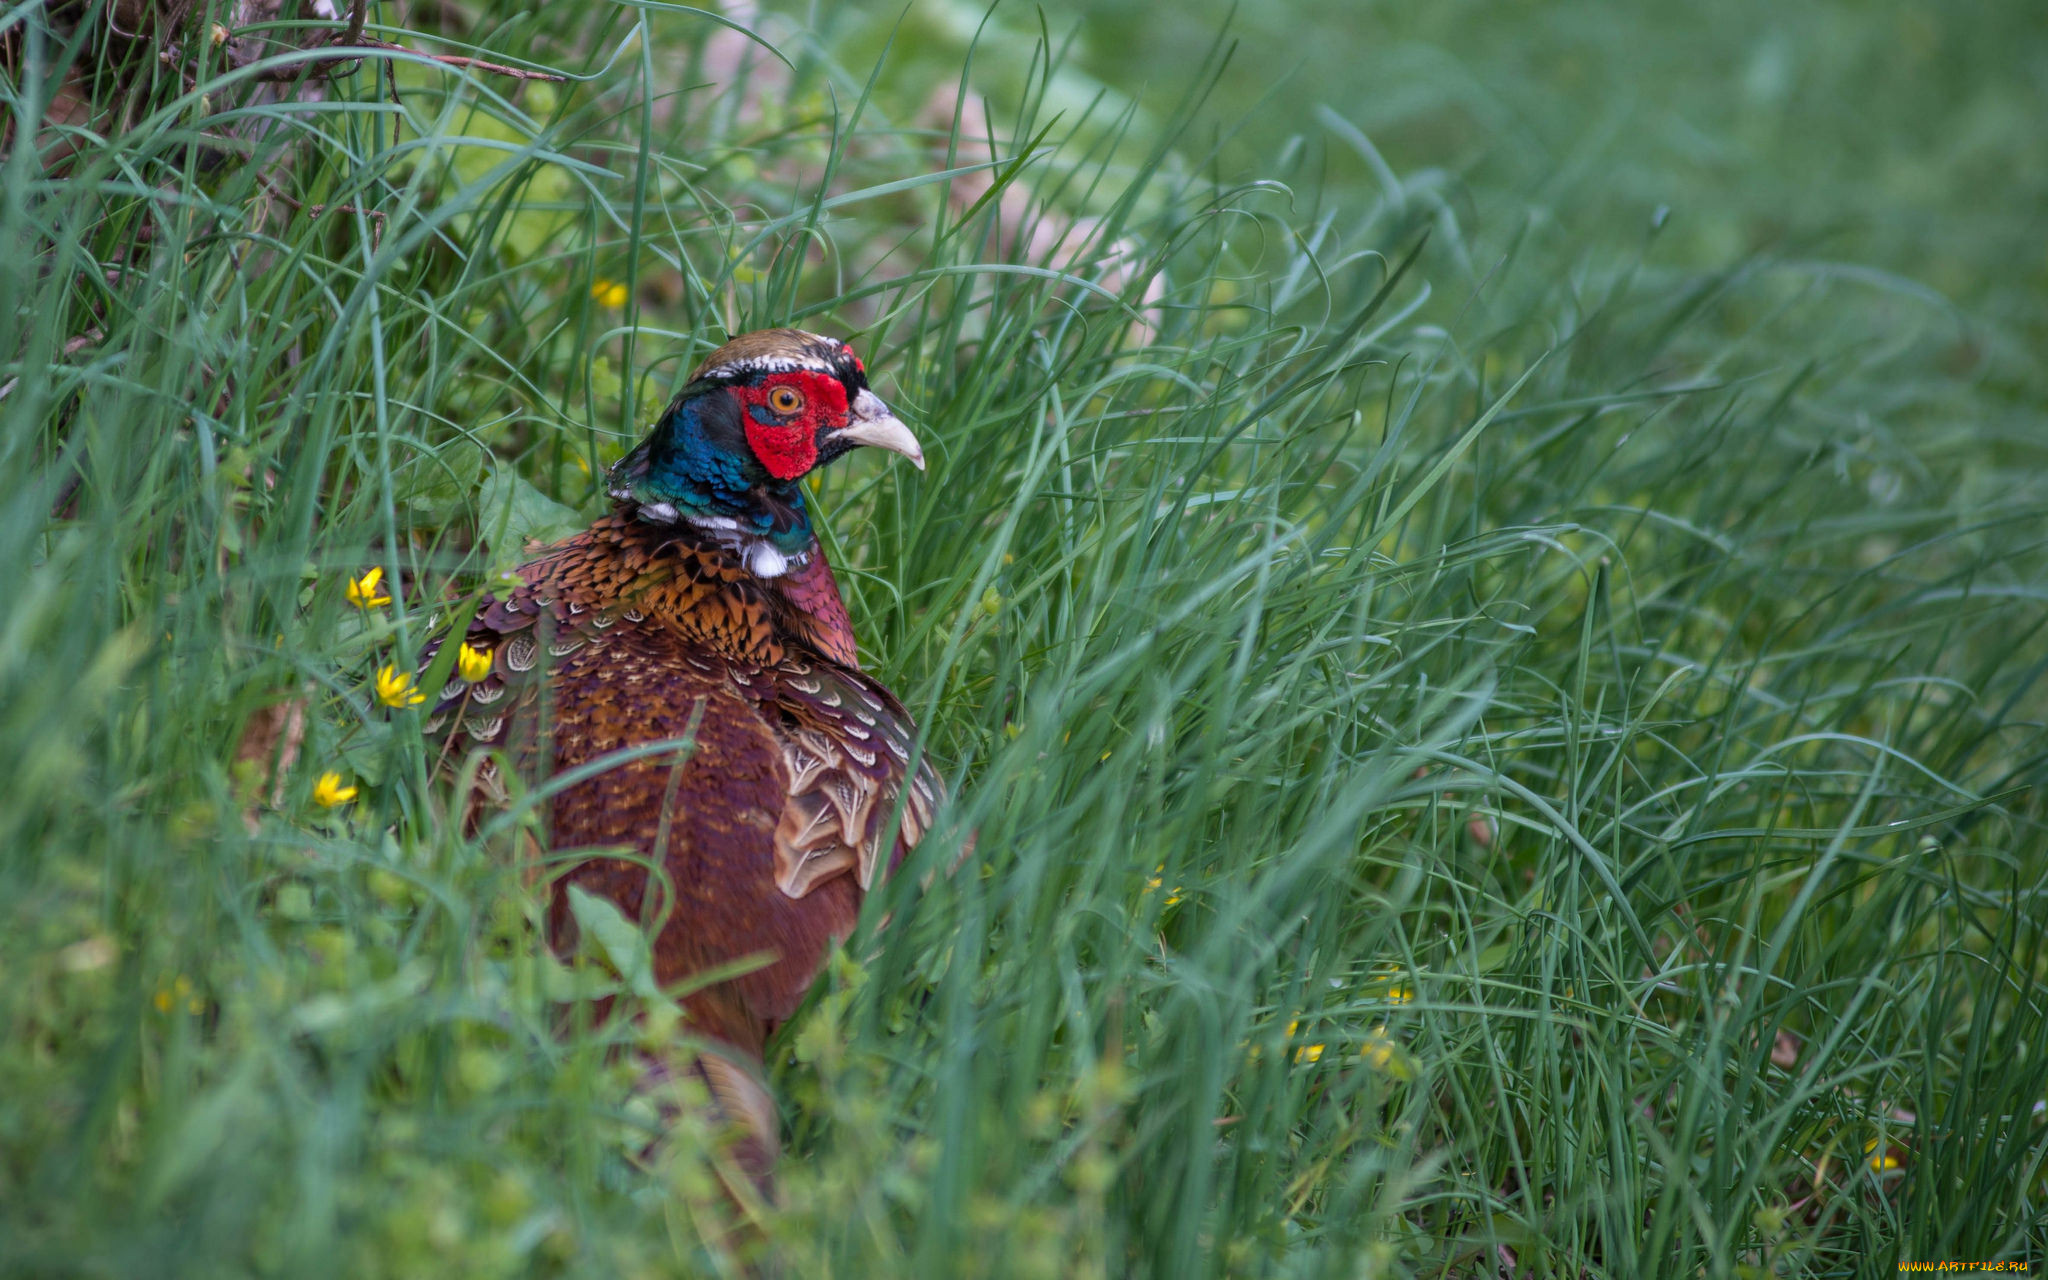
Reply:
x=785, y=441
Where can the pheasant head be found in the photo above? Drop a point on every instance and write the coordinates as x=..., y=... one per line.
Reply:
x=730, y=452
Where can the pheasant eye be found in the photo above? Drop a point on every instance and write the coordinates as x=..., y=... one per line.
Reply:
x=785, y=400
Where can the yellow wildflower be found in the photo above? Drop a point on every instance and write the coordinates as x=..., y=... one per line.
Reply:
x=609, y=293
x=1307, y=1052
x=172, y=993
x=1157, y=880
x=1880, y=1161
x=328, y=792
x=1379, y=1049
x=472, y=664
x=395, y=688
x=1400, y=995
x=367, y=592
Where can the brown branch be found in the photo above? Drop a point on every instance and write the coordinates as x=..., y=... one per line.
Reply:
x=456, y=60
x=327, y=67
x=72, y=346
x=313, y=211
x=358, y=14
x=348, y=46
x=332, y=58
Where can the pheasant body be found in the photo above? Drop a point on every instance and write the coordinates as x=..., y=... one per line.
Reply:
x=703, y=608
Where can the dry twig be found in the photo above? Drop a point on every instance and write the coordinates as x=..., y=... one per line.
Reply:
x=348, y=47
x=72, y=346
x=313, y=211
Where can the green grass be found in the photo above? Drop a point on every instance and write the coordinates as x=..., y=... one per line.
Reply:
x=1500, y=739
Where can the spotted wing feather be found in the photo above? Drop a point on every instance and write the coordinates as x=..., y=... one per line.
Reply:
x=847, y=746
x=846, y=743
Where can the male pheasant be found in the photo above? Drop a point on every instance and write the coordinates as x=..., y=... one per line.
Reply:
x=703, y=605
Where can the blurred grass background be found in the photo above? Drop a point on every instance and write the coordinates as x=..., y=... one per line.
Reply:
x=1480, y=587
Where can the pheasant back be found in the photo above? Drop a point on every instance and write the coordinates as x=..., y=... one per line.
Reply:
x=798, y=787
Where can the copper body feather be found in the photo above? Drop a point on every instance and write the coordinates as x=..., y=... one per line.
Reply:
x=772, y=829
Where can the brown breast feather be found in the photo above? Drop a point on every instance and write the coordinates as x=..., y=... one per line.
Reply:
x=776, y=824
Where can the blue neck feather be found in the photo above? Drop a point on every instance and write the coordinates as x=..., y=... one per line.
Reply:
x=704, y=477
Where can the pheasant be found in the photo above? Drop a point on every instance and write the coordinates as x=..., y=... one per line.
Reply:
x=703, y=606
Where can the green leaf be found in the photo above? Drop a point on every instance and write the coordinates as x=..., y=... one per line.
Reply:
x=511, y=513
x=615, y=940
x=565, y=985
x=434, y=483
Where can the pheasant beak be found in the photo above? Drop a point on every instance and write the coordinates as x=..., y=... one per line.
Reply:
x=871, y=423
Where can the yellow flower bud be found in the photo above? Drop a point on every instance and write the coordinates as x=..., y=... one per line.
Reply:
x=367, y=591
x=395, y=688
x=472, y=664
x=328, y=792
